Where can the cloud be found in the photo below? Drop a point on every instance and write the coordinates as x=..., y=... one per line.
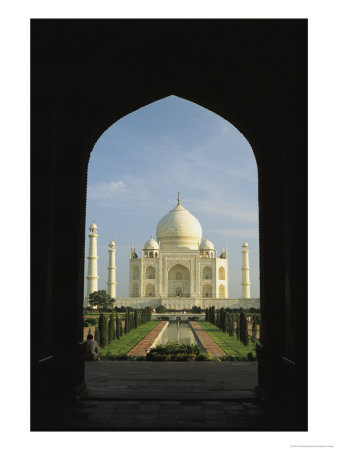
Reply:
x=105, y=191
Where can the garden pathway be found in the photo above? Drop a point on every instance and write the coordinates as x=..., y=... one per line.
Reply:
x=145, y=344
x=208, y=344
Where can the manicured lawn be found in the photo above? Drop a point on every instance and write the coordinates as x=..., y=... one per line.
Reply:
x=230, y=344
x=128, y=341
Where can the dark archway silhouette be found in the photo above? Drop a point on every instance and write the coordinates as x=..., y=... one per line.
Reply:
x=86, y=75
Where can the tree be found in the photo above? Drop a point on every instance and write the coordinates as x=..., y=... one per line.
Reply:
x=237, y=326
x=207, y=314
x=97, y=335
x=117, y=327
x=213, y=315
x=111, y=328
x=231, y=330
x=254, y=328
x=243, y=329
x=160, y=309
x=126, y=322
x=103, y=326
x=101, y=300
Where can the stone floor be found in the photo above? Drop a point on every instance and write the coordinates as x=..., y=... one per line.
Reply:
x=167, y=396
x=172, y=380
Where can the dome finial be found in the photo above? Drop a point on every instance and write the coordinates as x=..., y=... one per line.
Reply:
x=178, y=199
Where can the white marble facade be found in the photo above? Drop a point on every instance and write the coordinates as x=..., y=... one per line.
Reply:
x=178, y=265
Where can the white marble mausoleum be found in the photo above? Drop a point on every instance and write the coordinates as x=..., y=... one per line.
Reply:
x=178, y=269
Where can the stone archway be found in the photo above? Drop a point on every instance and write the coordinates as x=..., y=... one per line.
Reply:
x=150, y=290
x=207, y=290
x=241, y=100
x=178, y=281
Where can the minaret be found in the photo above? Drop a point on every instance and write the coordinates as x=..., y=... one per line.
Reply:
x=111, y=271
x=245, y=271
x=92, y=276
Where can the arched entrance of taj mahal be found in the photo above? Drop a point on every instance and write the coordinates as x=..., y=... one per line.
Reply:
x=178, y=281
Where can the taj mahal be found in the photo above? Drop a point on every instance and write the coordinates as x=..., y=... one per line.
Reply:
x=177, y=269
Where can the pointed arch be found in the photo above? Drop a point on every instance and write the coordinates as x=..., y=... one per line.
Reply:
x=136, y=273
x=150, y=273
x=207, y=273
x=150, y=290
x=135, y=290
x=207, y=290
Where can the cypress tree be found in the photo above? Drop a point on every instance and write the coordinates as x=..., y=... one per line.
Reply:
x=111, y=328
x=237, y=326
x=121, y=328
x=231, y=332
x=245, y=331
x=126, y=322
x=241, y=326
x=135, y=318
x=130, y=321
x=254, y=328
x=103, y=325
x=117, y=327
x=207, y=314
x=213, y=315
x=221, y=318
x=97, y=335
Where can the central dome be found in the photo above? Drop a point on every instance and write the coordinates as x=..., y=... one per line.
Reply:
x=179, y=228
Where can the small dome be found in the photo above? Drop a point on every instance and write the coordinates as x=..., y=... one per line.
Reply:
x=93, y=226
x=245, y=244
x=151, y=244
x=112, y=243
x=207, y=245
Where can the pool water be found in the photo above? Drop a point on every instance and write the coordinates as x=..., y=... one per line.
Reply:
x=178, y=332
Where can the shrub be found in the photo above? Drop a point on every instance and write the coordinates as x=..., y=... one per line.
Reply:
x=160, y=309
x=173, y=352
x=196, y=310
x=203, y=357
x=86, y=323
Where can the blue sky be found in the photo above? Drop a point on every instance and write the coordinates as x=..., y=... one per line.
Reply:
x=140, y=163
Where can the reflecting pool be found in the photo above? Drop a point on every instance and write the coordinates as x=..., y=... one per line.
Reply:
x=178, y=332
